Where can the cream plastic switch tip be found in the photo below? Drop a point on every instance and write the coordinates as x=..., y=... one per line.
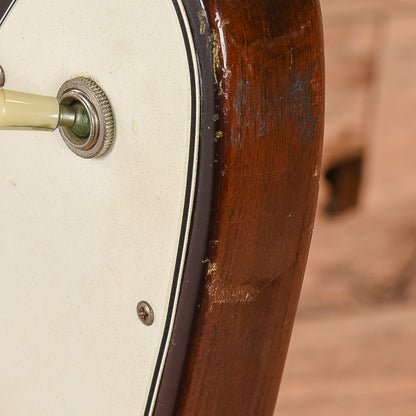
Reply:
x=22, y=111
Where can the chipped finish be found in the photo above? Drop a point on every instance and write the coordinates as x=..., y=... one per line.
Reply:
x=202, y=16
x=265, y=69
x=219, y=291
x=215, y=51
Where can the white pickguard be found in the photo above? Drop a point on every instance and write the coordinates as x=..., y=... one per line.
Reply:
x=82, y=241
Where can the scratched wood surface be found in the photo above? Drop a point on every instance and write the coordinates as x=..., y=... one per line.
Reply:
x=266, y=63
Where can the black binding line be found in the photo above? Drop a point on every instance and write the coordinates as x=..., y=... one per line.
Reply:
x=185, y=216
x=5, y=7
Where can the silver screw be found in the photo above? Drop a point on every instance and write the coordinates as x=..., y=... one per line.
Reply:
x=145, y=313
x=2, y=77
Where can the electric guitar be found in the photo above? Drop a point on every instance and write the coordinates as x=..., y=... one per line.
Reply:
x=158, y=182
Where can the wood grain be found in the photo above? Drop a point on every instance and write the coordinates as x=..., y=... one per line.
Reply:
x=261, y=62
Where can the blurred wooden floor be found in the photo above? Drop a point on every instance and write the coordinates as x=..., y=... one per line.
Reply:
x=362, y=364
x=353, y=349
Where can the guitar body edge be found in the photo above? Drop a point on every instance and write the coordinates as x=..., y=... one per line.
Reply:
x=261, y=66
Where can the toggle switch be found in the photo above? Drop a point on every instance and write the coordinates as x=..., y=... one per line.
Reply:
x=81, y=111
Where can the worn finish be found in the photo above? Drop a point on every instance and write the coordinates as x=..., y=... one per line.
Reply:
x=266, y=60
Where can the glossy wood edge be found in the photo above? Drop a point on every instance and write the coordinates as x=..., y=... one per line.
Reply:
x=261, y=66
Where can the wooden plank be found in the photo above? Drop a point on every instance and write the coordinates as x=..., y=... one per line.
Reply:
x=352, y=351
x=356, y=9
x=357, y=364
x=392, y=167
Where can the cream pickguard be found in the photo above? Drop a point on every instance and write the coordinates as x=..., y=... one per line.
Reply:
x=82, y=241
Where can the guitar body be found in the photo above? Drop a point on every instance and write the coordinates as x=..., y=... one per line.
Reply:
x=203, y=207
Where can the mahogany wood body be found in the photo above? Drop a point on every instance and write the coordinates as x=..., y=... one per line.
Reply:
x=261, y=64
